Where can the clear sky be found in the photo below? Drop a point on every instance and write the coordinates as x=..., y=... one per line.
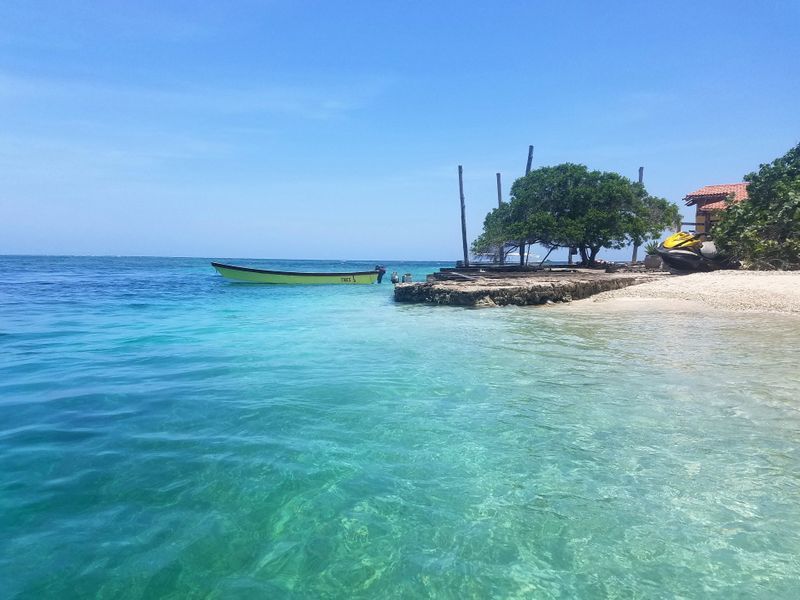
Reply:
x=334, y=129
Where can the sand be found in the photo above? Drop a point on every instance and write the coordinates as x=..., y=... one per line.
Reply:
x=741, y=291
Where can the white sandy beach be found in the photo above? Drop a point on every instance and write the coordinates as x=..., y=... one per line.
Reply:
x=741, y=291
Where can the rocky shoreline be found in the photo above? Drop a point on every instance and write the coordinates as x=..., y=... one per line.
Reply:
x=519, y=289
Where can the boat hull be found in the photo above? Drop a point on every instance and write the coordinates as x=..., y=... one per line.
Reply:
x=249, y=275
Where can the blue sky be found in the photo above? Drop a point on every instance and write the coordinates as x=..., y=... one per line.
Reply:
x=334, y=129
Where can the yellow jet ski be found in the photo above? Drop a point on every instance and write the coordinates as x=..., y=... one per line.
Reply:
x=689, y=252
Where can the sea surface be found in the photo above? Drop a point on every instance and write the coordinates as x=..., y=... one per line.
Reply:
x=167, y=434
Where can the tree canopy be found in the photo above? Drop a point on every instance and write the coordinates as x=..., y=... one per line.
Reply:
x=569, y=205
x=763, y=232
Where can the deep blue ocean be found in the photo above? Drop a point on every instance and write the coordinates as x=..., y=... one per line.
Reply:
x=165, y=433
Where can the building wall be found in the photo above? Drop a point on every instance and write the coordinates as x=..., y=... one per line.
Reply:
x=699, y=219
x=706, y=220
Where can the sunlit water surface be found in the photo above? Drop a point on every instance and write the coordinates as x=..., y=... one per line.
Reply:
x=164, y=433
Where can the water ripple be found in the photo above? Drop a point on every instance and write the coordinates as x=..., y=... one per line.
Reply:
x=163, y=432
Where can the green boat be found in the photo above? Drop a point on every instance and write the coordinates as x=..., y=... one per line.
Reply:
x=249, y=275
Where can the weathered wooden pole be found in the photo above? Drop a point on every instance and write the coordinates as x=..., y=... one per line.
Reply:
x=527, y=171
x=530, y=160
x=636, y=246
x=500, y=254
x=463, y=215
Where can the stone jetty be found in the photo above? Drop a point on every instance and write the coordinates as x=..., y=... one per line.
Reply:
x=479, y=288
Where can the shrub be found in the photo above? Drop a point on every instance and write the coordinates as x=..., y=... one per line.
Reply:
x=763, y=232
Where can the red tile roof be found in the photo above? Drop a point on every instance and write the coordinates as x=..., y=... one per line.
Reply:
x=712, y=197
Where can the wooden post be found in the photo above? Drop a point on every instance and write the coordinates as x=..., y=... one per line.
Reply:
x=636, y=246
x=463, y=215
x=527, y=171
x=500, y=254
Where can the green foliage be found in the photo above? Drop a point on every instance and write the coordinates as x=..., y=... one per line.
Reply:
x=651, y=248
x=763, y=232
x=568, y=205
x=496, y=231
x=657, y=214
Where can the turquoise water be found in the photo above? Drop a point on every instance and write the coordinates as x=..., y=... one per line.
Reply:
x=164, y=433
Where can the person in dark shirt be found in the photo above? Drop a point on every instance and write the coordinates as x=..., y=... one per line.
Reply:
x=381, y=272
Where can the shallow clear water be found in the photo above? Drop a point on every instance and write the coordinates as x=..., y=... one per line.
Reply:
x=164, y=433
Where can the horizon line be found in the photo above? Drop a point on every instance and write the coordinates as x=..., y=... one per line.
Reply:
x=45, y=255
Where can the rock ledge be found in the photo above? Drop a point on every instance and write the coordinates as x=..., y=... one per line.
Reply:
x=533, y=288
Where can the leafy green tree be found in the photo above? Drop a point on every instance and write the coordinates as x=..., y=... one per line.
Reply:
x=497, y=228
x=568, y=205
x=764, y=231
x=656, y=215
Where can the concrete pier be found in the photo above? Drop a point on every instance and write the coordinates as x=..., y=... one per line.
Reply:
x=519, y=289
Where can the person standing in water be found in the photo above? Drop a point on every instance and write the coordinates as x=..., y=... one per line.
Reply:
x=381, y=272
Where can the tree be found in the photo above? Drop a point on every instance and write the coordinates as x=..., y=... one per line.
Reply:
x=504, y=230
x=657, y=215
x=496, y=232
x=568, y=205
x=763, y=232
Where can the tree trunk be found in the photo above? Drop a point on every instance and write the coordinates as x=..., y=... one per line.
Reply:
x=521, y=254
x=588, y=255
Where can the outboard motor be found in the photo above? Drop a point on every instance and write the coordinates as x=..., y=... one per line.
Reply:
x=395, y=277
x=381, y=272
